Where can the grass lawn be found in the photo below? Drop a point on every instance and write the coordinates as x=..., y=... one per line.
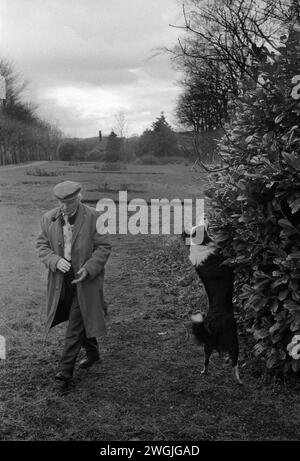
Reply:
x=149, y=385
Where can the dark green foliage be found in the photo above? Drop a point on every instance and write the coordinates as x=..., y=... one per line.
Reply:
x=146, y=145
x=256, y=203
x=113, y=148
x=160, y=141
x=148, y=159
x=94, y=156
x=88, y=149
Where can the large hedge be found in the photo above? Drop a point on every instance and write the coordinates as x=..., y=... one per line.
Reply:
x=256, y=203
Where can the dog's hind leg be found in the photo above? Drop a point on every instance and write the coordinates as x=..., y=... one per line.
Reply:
x=237, y=375
x=207, y=351
x=234, y=357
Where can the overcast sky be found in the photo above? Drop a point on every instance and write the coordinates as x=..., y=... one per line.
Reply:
x=88, y=59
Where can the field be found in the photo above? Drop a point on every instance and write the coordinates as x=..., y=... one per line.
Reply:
x=149, y=385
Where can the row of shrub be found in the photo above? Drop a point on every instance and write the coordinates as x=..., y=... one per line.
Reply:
x=157, y=146
x=152, y=160
x=23, y=135
x=26, y=141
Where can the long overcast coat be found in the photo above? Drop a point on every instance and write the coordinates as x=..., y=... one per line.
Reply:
x=89, y=250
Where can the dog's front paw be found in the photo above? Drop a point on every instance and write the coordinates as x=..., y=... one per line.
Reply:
x=197, y=318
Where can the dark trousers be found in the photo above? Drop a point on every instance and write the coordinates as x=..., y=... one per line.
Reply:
x=75, y=339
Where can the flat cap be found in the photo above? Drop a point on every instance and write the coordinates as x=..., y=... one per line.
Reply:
x=66, y=190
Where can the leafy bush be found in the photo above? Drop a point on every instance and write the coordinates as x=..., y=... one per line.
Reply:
x=66, y=150
x=114, y=148
x=43, y=172
x=95, y=156
x=113, y=166
x=256, y=203
x=148, y=160
x=153, y=160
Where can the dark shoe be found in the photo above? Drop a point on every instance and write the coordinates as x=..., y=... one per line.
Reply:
x=89, y=361
x=61, y=386
x=61, y=377
x=62, y=382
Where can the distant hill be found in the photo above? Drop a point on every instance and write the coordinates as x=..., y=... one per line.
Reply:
x=90, y=143
x=90, y=149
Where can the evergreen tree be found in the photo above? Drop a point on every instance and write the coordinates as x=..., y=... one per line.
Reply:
x=161, y=141
x=113, y=148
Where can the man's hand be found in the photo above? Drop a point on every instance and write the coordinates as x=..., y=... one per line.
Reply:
x=63, y=265
x=82, y=275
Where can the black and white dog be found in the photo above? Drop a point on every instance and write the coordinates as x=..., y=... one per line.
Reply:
x=217, y=330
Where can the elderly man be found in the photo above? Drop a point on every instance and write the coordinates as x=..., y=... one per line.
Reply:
x=75, y=255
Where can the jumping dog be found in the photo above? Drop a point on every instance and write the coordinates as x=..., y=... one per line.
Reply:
x=217, y=330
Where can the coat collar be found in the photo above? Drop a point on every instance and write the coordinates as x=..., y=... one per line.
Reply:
x=80, y=215
x=55, y=226
x=57, y=214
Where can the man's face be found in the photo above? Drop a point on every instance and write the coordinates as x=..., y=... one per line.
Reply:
x=69, y=206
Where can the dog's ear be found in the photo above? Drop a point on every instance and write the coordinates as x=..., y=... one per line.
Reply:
x=207, y=238
x=186, y=236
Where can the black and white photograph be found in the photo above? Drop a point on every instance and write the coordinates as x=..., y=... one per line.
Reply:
x=150, y=224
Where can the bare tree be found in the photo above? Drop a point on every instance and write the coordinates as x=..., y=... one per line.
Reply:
x=231, y=36
x=225, y=44
x=16, y=105
x=121, y=123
